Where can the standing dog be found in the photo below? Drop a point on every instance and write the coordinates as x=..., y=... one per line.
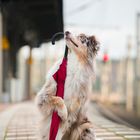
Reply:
x=72, y=110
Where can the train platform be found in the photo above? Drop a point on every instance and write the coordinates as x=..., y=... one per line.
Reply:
x=20, y=122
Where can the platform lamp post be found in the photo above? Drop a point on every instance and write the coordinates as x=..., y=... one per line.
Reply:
x=137, y=72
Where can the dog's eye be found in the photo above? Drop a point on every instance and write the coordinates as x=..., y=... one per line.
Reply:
x=86, y=42
x=83, y=40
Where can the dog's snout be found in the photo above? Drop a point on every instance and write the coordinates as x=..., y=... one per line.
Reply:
x=67, y=33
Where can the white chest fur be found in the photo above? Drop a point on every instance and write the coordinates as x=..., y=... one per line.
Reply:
x=76, y=84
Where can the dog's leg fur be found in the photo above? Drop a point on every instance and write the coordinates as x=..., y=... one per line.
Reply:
x=47, y=102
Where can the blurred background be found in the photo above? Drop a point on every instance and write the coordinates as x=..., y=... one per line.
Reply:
x=26, y=53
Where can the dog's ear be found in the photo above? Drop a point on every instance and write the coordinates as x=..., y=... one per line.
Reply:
x=93, y=40
x=93, y=44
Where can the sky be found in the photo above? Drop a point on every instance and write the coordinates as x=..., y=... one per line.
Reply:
x=113, y=22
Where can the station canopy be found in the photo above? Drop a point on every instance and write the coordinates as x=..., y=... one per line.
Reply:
x=31, y=21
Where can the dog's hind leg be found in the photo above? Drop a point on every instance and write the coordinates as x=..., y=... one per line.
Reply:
x=88, y=134
x=82, y=129
x=87, y=130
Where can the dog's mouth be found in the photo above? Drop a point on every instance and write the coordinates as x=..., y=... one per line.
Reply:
x=69, y=38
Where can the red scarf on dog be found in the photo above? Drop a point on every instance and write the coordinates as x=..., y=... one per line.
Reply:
x=59, y=77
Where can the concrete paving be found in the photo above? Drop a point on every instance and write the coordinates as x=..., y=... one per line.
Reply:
x=20, y=122
x=5, y=118
x=106, y=129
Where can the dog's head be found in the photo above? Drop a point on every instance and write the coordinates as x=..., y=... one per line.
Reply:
x=85, y=47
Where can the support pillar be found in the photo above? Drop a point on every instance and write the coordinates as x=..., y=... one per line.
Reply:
x=0, y=56
x=28, y=75
x=137, y=68
x=129, y=78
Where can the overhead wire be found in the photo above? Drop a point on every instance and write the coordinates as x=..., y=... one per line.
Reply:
x=82, y=7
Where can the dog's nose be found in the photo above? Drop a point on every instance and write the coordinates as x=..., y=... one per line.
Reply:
x=67, y=33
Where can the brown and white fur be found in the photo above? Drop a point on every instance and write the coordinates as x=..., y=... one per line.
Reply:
x=72, y=110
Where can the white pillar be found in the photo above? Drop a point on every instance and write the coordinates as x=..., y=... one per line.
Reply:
x=129, y=78
x=137, y=78
x=0, y=55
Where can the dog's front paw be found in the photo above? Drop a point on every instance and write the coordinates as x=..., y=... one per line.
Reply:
x=63, y=113
x=62, y=109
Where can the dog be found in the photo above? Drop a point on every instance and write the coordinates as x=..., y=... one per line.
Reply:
x=75, y=125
